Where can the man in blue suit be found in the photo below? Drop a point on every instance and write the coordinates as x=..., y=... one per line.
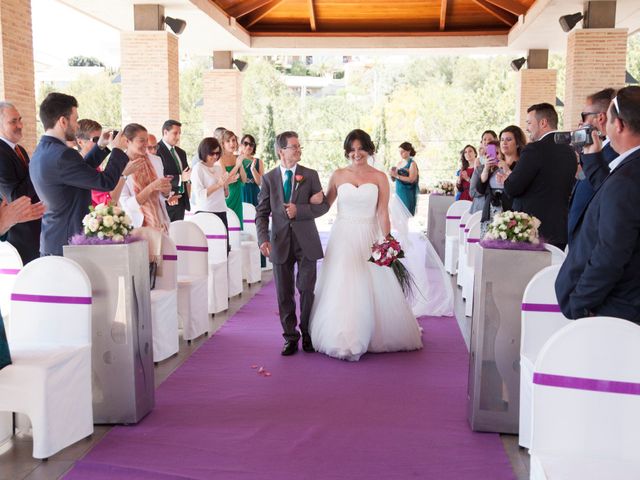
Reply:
x=594, y=114
x=62, y=178
x=601, y=274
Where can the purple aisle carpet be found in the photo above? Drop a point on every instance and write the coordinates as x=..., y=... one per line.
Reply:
x=389, y=416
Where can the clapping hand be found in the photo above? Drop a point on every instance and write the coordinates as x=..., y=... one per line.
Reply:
x=186, y=175
x=317, y=198
x=133, y=166
x=19, y=211
x=233, y=178
x=162, y=185
x=173, y=199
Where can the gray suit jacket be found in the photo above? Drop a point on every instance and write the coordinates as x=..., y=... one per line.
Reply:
x=271, y=202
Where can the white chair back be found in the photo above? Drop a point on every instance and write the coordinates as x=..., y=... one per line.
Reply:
x=586, y=392
x=234, y=229
x=10, y=266
x=191, y=247
x=557, y=255
x=541, y=315
x=454, y=214
x=462, y=225
x=249, y=220
x=472, y=237
x=51, y=303
x=167, y=278
x=216, y=234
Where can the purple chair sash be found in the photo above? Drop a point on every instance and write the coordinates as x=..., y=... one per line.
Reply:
x=9, y=271
x=541, y=307
x=170, y=257
x=473, y=240
x=462, y=225
x=234, y=229
x=589, y=384
x=249, y=221
x=453, y=217
x=24, y=297
x=216, y=237
x=191, y=248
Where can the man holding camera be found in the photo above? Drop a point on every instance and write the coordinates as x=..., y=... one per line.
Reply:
x=600, y=274
x=593, y=117
x=541, y=182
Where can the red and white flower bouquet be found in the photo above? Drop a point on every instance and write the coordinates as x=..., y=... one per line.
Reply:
x=387, y=253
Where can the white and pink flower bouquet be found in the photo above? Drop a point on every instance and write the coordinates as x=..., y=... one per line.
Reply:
x=513, y=231
x=107, y=222
x=444, y=188
x=387, y=253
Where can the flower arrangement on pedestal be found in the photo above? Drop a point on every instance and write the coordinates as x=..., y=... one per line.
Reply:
x=444, y=188
x=515, y=230
x=104, y=224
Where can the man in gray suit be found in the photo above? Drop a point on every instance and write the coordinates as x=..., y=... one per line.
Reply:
x=285, y=195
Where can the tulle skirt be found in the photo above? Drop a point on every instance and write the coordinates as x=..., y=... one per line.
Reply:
x=359, y=306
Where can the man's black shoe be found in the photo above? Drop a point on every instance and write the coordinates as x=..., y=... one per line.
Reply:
x=307, y=345
x=290, y=347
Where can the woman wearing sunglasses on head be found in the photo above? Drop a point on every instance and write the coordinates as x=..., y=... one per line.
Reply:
x=253, y=168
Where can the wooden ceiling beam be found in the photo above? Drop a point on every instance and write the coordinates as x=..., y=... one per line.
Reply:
x=511, y=6
x=312, y=16
x=502, y=15
x=259, y=13
x=240, y=9
x=443, y=14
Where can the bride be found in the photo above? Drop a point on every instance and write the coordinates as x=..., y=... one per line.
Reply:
x=359, y=307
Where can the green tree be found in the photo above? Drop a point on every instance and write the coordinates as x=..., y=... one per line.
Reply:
x=267, y=139
x=82, y=61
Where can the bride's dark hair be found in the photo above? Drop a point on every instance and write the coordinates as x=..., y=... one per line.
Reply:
x=363, y=137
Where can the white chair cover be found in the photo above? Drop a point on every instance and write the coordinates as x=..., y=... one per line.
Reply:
x=234, y=260
x=461, y=244
x=472, y=237
x=193, y=278
x=454, y=214
x=50, y=343
x=541, y=318
x=557, y=255
x=216, y=235
x=462, y=262
x=10, y=266
x=251, y=271
x=586, y=398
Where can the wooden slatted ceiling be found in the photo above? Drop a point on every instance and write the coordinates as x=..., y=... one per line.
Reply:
x=397, y=17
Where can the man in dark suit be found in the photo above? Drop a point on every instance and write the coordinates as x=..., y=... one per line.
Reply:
x=15, y=181
x=594, y=114
x=62, y=178
x=285, y=194
x=601, y=274
x=174, y=161
x=541, y=182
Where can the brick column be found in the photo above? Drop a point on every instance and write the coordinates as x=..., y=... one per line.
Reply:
x=16, y=65
x=222, y=94
x=533, y=86
x=596, y=59
x=150, y=78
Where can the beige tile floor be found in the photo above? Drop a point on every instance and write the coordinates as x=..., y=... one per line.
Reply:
x=16, y=462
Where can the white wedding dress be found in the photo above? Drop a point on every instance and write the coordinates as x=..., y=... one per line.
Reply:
x=359, y=306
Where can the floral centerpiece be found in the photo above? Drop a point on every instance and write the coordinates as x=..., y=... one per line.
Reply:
x=513, y=230
x=387, y=253
x=104, y=224
x=444, y=188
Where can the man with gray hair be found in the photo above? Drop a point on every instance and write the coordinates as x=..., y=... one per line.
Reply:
x=285, y=194
x=15, y=181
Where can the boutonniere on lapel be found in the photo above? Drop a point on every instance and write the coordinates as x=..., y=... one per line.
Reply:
x=299, y=180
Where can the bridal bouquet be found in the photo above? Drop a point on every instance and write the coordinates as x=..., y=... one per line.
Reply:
x=107, y=222
x=444, y=188
x=387, y=253
x=514, y=227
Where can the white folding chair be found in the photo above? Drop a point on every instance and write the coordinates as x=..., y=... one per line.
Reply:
x=462, y=263
x=50, y=344
x=472, y=238
x=216, y=235
x=541, y=318
x=193, y=278
x=586, y=398
x=250, y=250
x=461, y=244
x=164, y=304
x=557, y=255
x=10, y=266
x=234, y=260
x=454, y=214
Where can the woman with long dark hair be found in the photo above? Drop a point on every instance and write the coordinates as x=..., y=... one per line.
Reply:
x=406, y=176
x=467, y=160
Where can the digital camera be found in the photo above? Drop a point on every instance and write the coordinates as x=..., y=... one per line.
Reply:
x=578, y=138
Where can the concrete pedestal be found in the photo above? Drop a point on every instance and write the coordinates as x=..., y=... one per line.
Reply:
x=121, y=350
x=437, y=206
x=493, y=395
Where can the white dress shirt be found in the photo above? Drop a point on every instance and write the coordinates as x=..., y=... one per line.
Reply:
x=203, y=177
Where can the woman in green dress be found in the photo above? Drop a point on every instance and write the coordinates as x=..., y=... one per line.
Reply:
x=405, y=174
x=253, y=168
x=232, y=163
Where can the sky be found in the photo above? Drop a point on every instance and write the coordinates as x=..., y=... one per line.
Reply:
x=71, y=34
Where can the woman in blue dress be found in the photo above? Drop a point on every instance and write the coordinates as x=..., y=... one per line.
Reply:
x=405, y=174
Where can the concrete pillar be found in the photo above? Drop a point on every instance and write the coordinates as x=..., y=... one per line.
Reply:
x=535, y=84
x=149, y=71
x=16, y=65
x=222, y=96
x=596, y=59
